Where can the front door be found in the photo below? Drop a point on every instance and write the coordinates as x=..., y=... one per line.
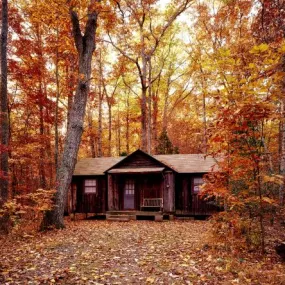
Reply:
x=129, y=194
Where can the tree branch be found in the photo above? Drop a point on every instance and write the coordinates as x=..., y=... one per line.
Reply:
x=120, y=50
x=78, y=39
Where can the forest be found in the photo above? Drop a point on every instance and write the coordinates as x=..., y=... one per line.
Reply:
x=103, y=78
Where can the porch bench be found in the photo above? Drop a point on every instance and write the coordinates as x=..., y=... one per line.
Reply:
x=152, y=203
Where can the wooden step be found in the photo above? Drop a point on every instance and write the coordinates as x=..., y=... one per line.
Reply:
x=119, y=218
x=185, y=218
x=121, y=213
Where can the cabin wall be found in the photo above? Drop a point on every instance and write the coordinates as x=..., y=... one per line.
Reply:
x=188, y=202
x=89, y=202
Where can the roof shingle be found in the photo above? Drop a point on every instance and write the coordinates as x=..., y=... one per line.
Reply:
x=181, y=163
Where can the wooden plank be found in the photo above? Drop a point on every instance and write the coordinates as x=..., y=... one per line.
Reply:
x=185, y=193
x=116, y=192
x=169, y=196
x=111, y=206
x=102, y=197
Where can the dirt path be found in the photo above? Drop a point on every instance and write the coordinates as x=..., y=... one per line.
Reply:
x=100, y=252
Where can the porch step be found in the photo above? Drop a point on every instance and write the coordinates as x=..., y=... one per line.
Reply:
x=120, y=218
x=185, y=218
x=114, y=213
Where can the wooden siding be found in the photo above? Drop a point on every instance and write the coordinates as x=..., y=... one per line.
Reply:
x=89, y=202
x=187, y=202
x=139, y=160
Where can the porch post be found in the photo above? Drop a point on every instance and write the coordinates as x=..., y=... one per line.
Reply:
x=111, y=205
x=169, y=192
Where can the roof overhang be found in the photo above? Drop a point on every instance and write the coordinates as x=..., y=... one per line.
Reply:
x=136, y=170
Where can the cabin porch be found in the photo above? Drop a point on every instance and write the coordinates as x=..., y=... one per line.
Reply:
x=142, y=192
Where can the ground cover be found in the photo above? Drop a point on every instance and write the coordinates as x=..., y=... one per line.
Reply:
x=136, y=252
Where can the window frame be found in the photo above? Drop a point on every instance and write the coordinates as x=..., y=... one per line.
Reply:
x=129, y=188
x=197, y=184
x=94, y=187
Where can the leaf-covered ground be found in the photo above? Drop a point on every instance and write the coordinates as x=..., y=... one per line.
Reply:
x=137, y=252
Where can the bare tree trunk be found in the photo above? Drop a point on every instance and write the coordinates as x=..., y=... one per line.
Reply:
x=70, y=83
x=42, y=151
x=85, y=47
x=282, y=136
x=128, y=124
x=100, y=120
x=166, y=105
x=118, y=132
x=143, y=120
x=144, y=141
x=109, y=127
x=91, y=134
x=155, y=113
x=41, y=94
x=149, y=123
x=4, y=191
x=56, y=143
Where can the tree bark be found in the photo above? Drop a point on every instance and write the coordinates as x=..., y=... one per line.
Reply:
x=128, y=124
x=85, y=46
x=109, y=126
x=56, y=137
x=149, y=123
x=100, y=129
x=282, y=135
x=4, y=116
x=91, y=134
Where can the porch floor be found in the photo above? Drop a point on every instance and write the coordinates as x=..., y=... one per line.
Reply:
x=125, y=216
x=135, y=213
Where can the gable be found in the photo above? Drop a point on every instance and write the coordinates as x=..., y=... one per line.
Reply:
x=139, y=160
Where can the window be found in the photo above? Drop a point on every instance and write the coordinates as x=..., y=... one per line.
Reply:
x=130, y=187
x=197, y=182
x=90, y=186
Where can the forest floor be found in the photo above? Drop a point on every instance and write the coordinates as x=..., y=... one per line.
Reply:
x=136, y=252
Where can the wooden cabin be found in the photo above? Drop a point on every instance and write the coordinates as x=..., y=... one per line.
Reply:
x=141, y=184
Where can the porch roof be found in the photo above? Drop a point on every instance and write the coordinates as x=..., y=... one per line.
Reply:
x=136, y=170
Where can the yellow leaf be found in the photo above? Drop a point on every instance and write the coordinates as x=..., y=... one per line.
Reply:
x=150, y=280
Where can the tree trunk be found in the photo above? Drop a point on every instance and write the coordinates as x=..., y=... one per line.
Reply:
x=149, y=123
x=70, y=83
x=4, y=117
x=85, y=47
x=155, y=113
x=100, y=120
x=128, y=125
x=91, y=134
x=143, y=120
x=42, y=151
x=109, y=127
x=143, y=75
x=118, y=132
x=282, y=136
x=166, y=105
x=56, y=142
